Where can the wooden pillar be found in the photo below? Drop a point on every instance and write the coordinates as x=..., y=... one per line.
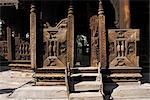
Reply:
x=33, y=36
x=70, y=37
x=102, y=35
x=94, y=40
x=9, y=43
x=124, y=14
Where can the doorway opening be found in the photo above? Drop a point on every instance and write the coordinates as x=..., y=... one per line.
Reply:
x=83, y=10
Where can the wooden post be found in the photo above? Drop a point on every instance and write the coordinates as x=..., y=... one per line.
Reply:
x=70, y=37
x=102, y=35
x=9, y=43
x=124, y=14
x=94, y=40
x=33, y=36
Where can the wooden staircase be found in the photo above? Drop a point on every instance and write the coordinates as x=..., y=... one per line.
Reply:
x=86, y=84
x=50, y=76
x=20, y=65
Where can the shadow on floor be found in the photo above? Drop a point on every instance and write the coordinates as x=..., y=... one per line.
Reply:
x=3, y=64
x=7, y=90
x=108, y=90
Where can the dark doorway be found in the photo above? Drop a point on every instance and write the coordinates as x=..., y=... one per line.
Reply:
x=83, y=10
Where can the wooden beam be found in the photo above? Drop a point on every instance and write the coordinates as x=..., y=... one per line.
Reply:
x=124, y=14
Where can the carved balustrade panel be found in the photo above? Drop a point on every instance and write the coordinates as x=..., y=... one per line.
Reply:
x=3, y=50
x=22, y=49
x=122, y=47
x=54, y=39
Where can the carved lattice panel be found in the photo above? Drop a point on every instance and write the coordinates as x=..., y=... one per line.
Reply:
x=22, y=49
x=55, y=44
x=122, y=47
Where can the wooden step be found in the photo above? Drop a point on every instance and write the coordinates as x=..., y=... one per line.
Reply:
x=86, y=96
x=87, y=86
x=49, y=83
x=51, y=70
x=85, y=75
x=20, y=67
x=49, y=75
x=84, y=70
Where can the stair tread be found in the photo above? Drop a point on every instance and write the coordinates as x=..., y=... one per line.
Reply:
x=88, y=83
x=85, y=68
x=50, y=83
x=49, y=75
x=84, y=74
x=43, y=68
x=126, y=75
x=85, y=94
x=26, y=65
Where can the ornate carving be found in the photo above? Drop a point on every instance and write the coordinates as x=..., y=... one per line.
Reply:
x=102, y=35
x=70, y=37
x=94, y=39
x=22, y=49
x=122, y=47
x=55, y=44
x=50, y=61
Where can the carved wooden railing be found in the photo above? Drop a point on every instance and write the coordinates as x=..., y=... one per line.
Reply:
x=123, y=47
x=3, y=50
x=123, y=56
x=22, y=50
x=21, y=59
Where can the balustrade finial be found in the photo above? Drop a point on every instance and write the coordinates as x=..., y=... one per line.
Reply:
x=32, y=8
x=70, y=10
x=100, y=9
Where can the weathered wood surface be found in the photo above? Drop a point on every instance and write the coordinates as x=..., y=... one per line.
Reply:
x=122, y=13
x=33, y=36
x=102, y=36
x=9, y=46
x=54, y=39
x=123, y=47
x=94, y=40
x=70, y=37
